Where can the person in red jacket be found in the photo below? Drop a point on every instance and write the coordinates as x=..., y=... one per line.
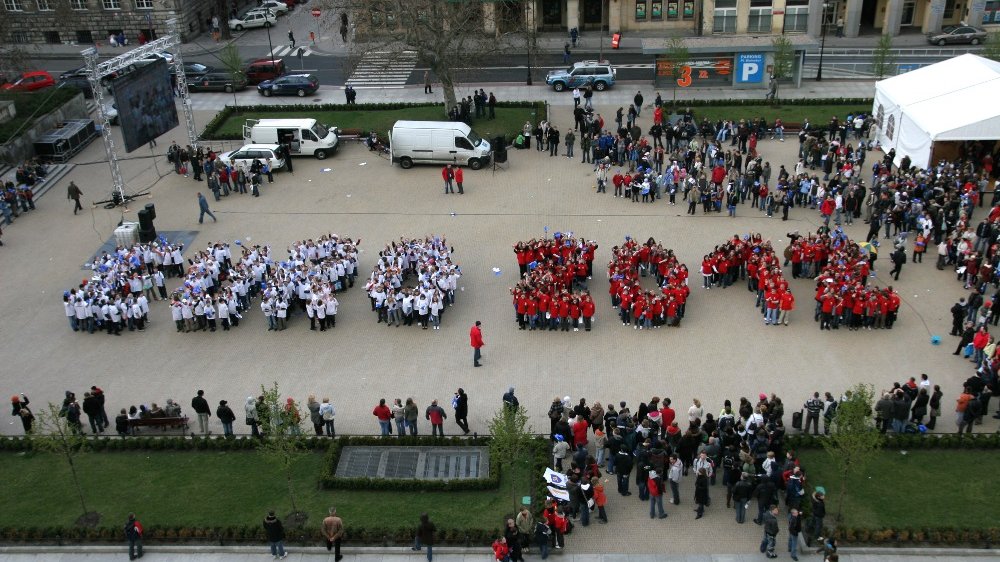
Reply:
x=786, y=304
x=458, y=179
x=500, y=550
x=587, y=310
x=476, y=340
x=384, y=415
x=448, y=174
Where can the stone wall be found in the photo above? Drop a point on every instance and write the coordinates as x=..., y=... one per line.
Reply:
x=21, y=148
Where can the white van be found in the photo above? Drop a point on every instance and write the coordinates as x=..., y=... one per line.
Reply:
x=304, y=136
x=437, y=142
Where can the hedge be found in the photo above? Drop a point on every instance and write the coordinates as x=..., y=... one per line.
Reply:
x=760, y=101
x=910, y=441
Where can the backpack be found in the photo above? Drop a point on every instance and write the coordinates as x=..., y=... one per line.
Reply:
x=973, y=409
x=728, y=462
x=726, y=422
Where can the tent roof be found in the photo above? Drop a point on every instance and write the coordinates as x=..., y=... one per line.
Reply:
x=950, y=100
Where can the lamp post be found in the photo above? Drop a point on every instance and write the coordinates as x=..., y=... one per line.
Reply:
x=600, y=50
x=822, y=44
x=267, y=26
x=529, y=36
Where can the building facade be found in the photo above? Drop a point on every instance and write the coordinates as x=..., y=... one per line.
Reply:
x=87, y=22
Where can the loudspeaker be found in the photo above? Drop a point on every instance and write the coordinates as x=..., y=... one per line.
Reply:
x=500, y=156
x=147, y=235
x=145, y=220
x=152, y=211
x=499, y=143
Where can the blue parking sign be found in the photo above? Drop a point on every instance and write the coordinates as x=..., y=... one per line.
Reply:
x=749, y=68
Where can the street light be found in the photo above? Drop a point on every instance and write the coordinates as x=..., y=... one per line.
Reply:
x=529, y=39
x=822, y=44
x=267, y=26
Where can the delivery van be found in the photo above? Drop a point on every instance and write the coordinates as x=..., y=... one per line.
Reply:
x=303, y=136
x=437, y=142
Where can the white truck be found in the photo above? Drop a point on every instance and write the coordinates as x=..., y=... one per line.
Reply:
x=303, y=136
x=437, y=142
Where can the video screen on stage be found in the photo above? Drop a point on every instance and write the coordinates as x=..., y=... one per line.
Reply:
x=145, y=100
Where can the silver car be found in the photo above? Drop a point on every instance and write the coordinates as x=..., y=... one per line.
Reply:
x=953, y=34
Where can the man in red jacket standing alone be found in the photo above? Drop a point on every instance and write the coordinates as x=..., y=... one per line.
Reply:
x=476, y=340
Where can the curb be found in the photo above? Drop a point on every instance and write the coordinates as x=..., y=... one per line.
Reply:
x=914, y=551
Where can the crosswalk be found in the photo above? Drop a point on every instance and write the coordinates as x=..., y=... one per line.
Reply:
x=381, y=69
x=289, y=51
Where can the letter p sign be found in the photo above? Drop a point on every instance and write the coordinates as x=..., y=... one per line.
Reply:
x=749, y=68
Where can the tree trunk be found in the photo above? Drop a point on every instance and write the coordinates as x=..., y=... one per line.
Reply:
x=448, y=86
x=291, y=489
x=76, y=483
x=841, y=497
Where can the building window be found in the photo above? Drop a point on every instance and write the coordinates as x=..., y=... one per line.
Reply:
x=759, y=20
x=20, y=37
x=84, y=37
x=112, y=4
x=13, y=6
x=724, y=17
x=656, y=9
x=43, y=6
x=640, y=10
x=796, y=19
x=949, y=9
x=78, y=4
x=688, y=12
x=992, y=12
x=144, y=4
x=52, y=37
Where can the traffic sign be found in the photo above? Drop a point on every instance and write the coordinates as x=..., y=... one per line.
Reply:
x=316, y=12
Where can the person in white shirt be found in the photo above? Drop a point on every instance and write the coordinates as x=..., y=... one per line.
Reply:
x=327, y=412
x=224, y=315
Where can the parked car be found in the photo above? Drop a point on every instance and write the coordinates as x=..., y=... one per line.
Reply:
x=954, y=34
x=31, y=81
x=77, y=78
x=289, y=84
x=193, y=70
x=279, y=8
x=165, y=55
x=599, y=73
x=253, y=19
x=258, y=70
x=218, y=81
x=250, y=152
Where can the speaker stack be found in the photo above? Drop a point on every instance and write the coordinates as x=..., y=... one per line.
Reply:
x=500, y=149
x=147, y=232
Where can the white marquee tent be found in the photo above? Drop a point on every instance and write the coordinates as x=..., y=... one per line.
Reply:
x=953, y=100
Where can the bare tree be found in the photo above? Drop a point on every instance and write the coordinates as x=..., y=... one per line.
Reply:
x=446, y=35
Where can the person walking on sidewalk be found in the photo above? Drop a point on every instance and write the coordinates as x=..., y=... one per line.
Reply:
x=476, y=341
x=275, y=533
x=203, y=206
x=133, y=534
x=461, y=405
x=427, y=82
x=425, y=536
x=291, y=39
x=74, y=193
x=333, y=532
x=770, y=532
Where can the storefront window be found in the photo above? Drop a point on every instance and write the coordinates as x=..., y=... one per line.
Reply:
x=656, y=10
x=640, y=10
x=992, y=12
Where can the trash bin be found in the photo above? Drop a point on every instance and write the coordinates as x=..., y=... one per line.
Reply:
x=616, y=40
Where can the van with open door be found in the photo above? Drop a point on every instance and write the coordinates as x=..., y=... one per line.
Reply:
x=437, y=142
x=303, y=136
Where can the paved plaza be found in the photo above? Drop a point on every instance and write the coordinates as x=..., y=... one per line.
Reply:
x=722, y=350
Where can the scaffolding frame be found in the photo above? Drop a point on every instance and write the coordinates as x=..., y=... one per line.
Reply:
x=96, y=71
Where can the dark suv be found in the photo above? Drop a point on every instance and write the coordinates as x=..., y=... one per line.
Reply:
x=218, y=81
x=290, y=84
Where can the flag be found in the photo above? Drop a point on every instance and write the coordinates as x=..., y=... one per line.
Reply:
x=554, y=478
x=559, y=493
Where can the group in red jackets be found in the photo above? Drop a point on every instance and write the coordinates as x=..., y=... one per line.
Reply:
x=843, y=296
x=552, y=293
x=754, y=259
x=642, y=308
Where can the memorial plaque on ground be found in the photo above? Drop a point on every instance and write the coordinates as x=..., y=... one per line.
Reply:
x=422, y=463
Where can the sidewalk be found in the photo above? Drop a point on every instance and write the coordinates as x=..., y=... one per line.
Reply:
x=454, y=554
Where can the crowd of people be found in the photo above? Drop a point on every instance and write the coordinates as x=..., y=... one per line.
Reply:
x=751, y=258
x=18, y=196
x=552, y=293
x=413, y=282
x=663, y=448
x=224, y=178
x=643, y=308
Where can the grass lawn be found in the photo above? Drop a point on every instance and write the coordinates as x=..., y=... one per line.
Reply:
x=923, y=488
x=214, y=488
x=508, y=122
x=819, y=115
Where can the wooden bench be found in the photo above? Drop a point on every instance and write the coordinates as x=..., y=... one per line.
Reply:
x=162, y=423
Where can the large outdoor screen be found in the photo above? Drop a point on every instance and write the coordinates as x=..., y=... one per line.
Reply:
x=145, y=100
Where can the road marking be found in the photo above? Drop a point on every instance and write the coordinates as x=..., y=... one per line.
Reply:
x=382, y=69
x=286, y=50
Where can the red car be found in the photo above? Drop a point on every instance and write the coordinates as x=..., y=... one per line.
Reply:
x=31, y=81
